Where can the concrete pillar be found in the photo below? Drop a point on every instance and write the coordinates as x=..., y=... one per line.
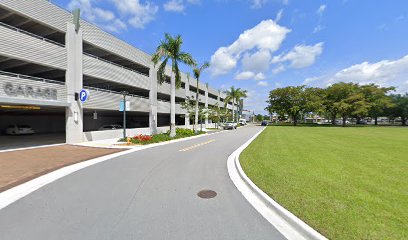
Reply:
x=153, y=100
x=218, y=99
x=73, y=83
x=187, y=88
x=206, y=104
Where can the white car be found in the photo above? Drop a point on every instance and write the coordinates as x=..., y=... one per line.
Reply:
x=19, y=130
x=230, y=125
x=110, y=127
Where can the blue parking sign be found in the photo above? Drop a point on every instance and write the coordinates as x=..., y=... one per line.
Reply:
x=83, y=95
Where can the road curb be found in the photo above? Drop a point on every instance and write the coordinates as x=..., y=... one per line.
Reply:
x=283, y=220
x=13, y=194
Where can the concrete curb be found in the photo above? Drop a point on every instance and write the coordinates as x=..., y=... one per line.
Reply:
x=13, y=194
x=283, y=220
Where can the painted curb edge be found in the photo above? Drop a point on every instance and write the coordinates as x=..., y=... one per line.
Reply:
x=284, y=221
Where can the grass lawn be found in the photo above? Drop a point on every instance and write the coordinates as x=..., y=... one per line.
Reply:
x=347, y=183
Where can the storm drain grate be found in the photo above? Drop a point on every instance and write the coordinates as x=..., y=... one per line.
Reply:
x=207, y=194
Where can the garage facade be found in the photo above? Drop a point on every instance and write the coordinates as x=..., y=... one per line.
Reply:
x=45, y=60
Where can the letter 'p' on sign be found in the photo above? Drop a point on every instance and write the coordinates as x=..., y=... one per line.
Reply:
x=83, y=95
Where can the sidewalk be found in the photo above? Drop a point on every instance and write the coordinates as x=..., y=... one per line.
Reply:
x=20, y=166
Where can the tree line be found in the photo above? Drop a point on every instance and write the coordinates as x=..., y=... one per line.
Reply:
x=344, y=100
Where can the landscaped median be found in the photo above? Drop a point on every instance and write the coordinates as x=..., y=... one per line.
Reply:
x=347, y=183
x=160, y=137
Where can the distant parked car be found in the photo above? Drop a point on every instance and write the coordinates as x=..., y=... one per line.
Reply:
x=264, y=123
x=230, y=125
x=110, y=127
x=19, y=130
x=340, y=122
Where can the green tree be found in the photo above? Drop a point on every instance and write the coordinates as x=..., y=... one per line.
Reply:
x=189, y=106
x=169, y=49
x=344, y=100
x=377, y=99
x=215, y=114
x=259, y=118
x=293, y=101
x=399, y=107
x=351, y=102
x=197, y=73
x=234, y=95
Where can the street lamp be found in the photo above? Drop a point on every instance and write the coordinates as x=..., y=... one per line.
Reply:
x=124, y=94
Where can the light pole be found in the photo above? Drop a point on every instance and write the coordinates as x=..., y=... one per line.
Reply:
x=124, y=93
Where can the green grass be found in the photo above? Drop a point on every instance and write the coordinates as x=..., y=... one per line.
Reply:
x=347, y=183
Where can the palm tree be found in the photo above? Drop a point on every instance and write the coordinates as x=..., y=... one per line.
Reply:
x=170, y=49
x=197, y=72
x=234, y=95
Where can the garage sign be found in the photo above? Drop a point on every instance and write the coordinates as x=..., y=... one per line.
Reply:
x=83, y=95
x=28, y=91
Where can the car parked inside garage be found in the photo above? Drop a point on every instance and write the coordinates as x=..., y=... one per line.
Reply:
x=19, y=130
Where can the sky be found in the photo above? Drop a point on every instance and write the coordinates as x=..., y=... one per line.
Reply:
x=259, y=45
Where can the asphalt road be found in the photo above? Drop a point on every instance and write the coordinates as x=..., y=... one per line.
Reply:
x=149, y=194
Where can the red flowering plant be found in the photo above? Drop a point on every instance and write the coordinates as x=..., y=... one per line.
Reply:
x=141, y=138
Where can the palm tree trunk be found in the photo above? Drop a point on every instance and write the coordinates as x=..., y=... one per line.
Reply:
x=233, y=111
x=196, y=109
x=172, y=105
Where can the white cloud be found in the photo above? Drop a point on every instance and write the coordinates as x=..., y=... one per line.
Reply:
x=279, y=16
x=244, y=75
x=256, y=99
x=174, y=6
x=301, y=55
x=318, y=28
x=257, y=62
x=179, y=5
x=249, y=75
x=131, y=11
x=278, y=69
x=262, y=83
x=321, y=9
x=258, y=3
x=103, y=18
x=222, y=62
x=139, y=14
x=259, y=76
x=266, y=36
x=385, y=73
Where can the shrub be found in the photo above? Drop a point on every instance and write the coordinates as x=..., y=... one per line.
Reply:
x=161, y=137
x=142, y=138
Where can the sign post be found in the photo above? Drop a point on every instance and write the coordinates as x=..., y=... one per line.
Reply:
x=124, y=106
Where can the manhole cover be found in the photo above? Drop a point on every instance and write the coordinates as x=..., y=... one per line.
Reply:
x=207, y=194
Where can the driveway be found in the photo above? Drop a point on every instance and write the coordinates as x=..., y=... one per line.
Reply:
x=149, y=194
x=22, y=141
x=17, y=167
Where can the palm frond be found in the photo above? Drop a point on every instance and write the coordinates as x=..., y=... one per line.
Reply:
x=186, y=58
x=176, y=71
x=161, y=72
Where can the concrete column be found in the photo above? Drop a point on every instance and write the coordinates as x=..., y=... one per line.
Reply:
x=153, y=100
x=206, y=104
x=218, y=99
x=73, y=82
x=187, y=88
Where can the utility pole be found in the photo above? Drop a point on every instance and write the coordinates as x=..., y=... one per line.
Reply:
x=124, y=93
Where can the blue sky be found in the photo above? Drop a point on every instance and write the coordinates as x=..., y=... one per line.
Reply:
x=259, y=45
